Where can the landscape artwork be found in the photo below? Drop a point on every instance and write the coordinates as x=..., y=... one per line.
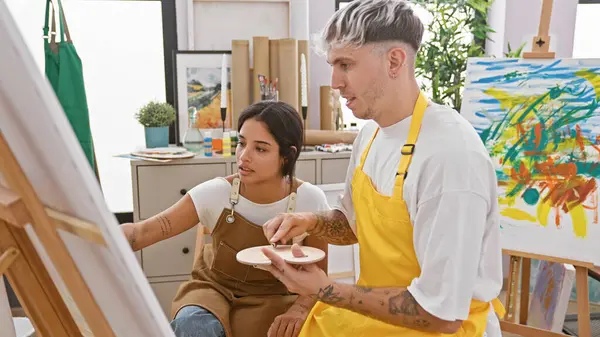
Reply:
x=540, y=122
x=198, y=89
x=204, y=97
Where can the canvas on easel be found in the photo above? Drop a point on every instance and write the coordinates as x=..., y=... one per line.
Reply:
x=539, y=119
x=60, y=247
x=551, y=295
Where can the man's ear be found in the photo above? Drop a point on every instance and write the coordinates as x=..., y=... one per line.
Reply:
x=397, y=59
x=294, y=149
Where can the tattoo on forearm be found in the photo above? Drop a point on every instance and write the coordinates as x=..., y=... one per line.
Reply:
x=328, y=295
x=133, y=238
x=165, y=225
x=392, y=305
x=405, y=304
x=363, y=290
x=334, y=227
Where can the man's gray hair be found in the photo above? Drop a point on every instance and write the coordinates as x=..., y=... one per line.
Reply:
x=370, y=21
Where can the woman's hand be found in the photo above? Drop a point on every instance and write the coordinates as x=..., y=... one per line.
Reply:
x=289, y=323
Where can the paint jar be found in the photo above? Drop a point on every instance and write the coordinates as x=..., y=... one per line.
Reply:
x=208, y=144
x=226, y=145
x=234, y=141
x=217, y=141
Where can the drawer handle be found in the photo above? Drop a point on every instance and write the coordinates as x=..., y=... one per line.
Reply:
x=185, y=250
x=183, y=191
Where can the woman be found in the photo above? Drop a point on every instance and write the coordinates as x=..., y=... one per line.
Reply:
x=224, y=297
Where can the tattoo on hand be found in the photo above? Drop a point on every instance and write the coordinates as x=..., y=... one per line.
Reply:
x=328, y=295
x=165, y=225
x=335, y=229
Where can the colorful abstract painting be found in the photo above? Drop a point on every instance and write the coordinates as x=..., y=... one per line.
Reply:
x=540, y=122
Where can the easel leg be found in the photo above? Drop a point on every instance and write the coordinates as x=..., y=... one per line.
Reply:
x=34, y=287
x=583, y=305
x=524, y=301
x=513, y=288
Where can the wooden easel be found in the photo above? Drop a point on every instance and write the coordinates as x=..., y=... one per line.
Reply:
x=24, y=268
x=520, y=263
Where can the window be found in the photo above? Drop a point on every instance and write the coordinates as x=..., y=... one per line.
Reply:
x=121, y=47
x=584, y=45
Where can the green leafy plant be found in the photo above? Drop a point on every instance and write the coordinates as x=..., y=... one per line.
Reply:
x=514, y=53
x=458, y=30
x=156, y=114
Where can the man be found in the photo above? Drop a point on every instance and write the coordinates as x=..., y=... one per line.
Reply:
x=420, y=198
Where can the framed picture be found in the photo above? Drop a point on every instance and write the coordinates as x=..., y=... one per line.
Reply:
x=198, y=89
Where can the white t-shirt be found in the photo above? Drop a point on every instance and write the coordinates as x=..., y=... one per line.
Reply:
x=450, y=191
x=212, y=196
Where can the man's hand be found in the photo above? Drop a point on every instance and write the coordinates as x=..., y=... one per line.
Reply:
x=286, y=226
x=306, y=280
x=289, y=323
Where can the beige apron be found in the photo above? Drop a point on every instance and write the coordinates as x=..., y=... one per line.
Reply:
x=245, y=299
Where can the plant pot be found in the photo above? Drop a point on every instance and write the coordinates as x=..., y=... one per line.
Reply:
x=157, y=136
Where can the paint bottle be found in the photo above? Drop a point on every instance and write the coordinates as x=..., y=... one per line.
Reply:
x=217, y=141
x=207, y=144
x=234, y=141
x=226, y=145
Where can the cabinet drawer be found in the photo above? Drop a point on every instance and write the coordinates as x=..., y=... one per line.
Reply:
x=333, y=171
x=165, y=292
x=174, y=256
x=159, y=187
x=306, y=170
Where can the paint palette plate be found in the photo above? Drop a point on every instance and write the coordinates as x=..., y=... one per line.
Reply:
x=254, y=256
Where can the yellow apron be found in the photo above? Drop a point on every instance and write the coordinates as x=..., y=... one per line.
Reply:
x=387, y=255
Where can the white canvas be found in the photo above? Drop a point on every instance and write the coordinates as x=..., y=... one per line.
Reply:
x=6, y=320
x=37, y=131
x=540, y=122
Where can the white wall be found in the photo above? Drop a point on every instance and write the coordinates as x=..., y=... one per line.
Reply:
x=517, y=21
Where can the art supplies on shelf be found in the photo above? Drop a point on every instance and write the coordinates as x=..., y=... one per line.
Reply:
x=268, y=89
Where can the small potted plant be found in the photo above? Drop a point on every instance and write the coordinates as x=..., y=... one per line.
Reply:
x=156, y=118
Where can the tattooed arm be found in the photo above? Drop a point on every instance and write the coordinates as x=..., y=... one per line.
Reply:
x=392, y=305
x=334, y=228
x=168, y=223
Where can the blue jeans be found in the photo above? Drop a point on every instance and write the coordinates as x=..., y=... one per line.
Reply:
x=195, y=321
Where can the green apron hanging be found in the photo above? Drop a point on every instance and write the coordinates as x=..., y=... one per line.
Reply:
x=64, y=70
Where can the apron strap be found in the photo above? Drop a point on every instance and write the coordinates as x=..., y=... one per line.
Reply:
x=363, y=156
x=498, y=307
x=409, y=148
x=64, y=29
x=234, y=195
x=46, y=18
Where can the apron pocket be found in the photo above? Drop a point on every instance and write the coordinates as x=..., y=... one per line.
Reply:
x=225, y=263
x=261, y=277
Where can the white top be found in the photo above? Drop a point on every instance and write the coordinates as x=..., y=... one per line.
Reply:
x=210, y=197
x=450, y=191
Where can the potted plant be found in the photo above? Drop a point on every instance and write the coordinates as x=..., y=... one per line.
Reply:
x=156, y=118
